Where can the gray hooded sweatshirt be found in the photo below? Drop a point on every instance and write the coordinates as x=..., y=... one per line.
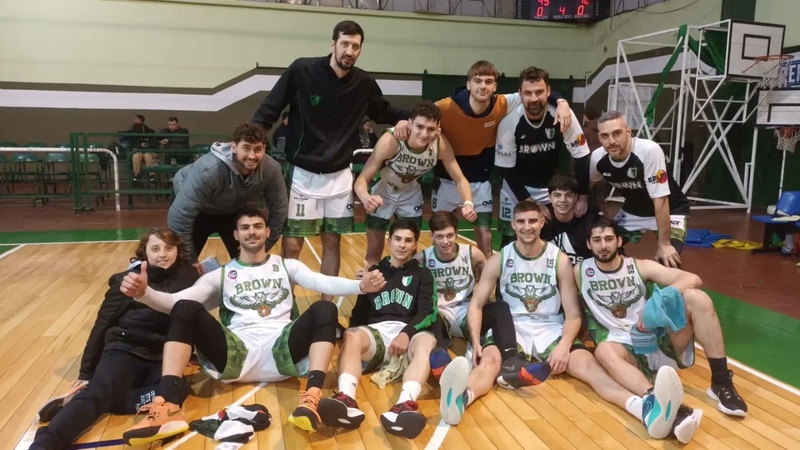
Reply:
x=213, y=185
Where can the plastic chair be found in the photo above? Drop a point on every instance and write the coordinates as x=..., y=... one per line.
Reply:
x=788, y=205
x=51, y=175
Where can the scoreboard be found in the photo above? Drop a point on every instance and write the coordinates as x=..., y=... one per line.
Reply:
x=563, y=10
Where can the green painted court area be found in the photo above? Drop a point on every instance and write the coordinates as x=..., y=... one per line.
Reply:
x=760, y=338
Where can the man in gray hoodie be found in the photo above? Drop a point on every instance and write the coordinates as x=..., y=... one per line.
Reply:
x=209, y=191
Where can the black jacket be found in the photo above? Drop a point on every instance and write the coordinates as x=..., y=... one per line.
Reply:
x=124, y=324
x=326, y=112
x=409, y=296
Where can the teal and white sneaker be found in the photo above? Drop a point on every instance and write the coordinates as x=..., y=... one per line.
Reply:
x=661, y=403
x=453, y=385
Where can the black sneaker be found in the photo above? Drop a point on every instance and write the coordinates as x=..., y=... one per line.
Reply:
x=340, y=411
x=404, y=419
x=730, y=402
x=686, y=423
x=517, y=372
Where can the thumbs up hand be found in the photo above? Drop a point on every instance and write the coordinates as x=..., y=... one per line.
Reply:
x=372, y=281
x=135, y=284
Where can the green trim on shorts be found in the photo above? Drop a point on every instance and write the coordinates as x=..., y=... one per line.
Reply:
x=546, y=353
x=375, y=223
x=504, y=228
x=463, y=327
x=338, y=225
x=237, y=354
x=665, y=345
x=380, y=352
x=302, y=228
x=484, y=220
x=282, y=355
x=679, y=234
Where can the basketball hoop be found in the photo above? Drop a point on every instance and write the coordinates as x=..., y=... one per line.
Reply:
x=787, y=138
x=774, y=70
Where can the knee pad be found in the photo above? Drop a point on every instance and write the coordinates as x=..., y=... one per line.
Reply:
x=324, y=313
x=186, y=310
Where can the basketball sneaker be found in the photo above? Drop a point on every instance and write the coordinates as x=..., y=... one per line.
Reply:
x=729, y=400
x=163, y=420
x=52, y=407
x=340, y=410
x=306, y=416
x=439, y=360
x=404, y=419
x=517, y=372
x=661, y=403
x=453, y=388
x=687, y=421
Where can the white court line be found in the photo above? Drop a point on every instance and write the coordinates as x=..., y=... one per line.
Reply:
x=438, y=436
x=241, y=400
x=18, y=247
x=733, y=362
x=319, y=260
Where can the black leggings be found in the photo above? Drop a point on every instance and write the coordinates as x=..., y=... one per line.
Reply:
x=496, y=317
x=191, y=324
x=207, y=224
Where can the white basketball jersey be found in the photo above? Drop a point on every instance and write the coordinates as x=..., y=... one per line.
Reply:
x=407, y=166
x=615, y=300
x=530, y=285
x=455, y=279
x=255, y=296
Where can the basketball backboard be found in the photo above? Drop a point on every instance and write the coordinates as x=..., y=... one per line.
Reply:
x=778, y=108
x=748, y=41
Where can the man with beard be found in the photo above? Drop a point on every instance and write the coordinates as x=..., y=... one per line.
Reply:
x=469, y=122
x=564, y=229
x=637, y=169
x=401, y=164
x=329, y=98
x=538, y=283
x=616, y=289
x=527, y=151
x=210, y=191
x=260, y=336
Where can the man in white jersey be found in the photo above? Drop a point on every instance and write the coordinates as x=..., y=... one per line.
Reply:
x=260, y=337
x=537, y=282
x=617, y=292
x=401, y=164
x=637, y=169
x=528, y=151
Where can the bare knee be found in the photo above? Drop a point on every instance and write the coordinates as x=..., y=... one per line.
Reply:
x=292, y=247
x=423, y=344
x=331, y=242
x=696, y=300
x=609, y=353
x=352, y=337
x=582, y=364
x=490, y=358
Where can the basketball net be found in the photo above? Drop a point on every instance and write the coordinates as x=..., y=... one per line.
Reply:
x=774, y=69
x=787, y=138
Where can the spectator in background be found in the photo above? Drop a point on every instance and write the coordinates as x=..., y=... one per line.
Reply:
x=590, y=116
x=177, y=143
x=366, y=139
x=140, y=158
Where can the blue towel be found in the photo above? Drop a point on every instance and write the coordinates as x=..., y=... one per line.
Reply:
x=703, y=238
x=664, y=309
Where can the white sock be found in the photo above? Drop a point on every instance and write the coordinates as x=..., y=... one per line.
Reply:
x=410, y=391
x=348, y=384
x=634, y=406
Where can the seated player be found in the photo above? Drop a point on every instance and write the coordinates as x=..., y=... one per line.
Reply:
x=537, y=282
x=261, y=338
x=637, y=169
x=615, y=289
x=401, y=164
x=528, y=150
x=564, y=228
x=121, y=362
x=392, y=321
x=456, y=269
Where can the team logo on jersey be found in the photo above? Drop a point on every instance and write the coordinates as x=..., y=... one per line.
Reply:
x=232, y=274
x=530, y=295
x=450, y=287
x=550, y=132
x=510, y=263
x=275, y=268
x=660, y=177
x=632, y=172
x=431, y=263
x=630, y=270
x=589, y=272
x=407, y=280
x=262, y=302
x=315, y=99
x=617, y=302
x=489, y=124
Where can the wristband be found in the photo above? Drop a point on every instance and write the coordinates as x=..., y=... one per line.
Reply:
x=468, y=202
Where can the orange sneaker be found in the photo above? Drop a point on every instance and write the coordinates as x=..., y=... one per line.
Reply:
x=163, y=420
x=306, y=416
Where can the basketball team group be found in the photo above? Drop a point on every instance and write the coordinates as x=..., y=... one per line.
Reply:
x=560, y=279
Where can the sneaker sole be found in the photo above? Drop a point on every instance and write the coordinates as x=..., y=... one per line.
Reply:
x=668, y=393
x=303, y=422
x=721, y=407
x=453, y=384
x=166, y=430
x=407, y=425
x=334, y=414
x=687, y=429
x=50, y=409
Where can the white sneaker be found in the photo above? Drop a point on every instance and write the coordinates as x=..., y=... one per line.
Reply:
x=660, y=405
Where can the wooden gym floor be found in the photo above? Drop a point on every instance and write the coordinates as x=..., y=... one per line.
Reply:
x=51, y=294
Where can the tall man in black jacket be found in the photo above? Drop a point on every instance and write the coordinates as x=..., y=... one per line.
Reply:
x=391, y=322
x=329, y=98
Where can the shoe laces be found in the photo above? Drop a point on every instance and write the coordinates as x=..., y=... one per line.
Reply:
x=346, y=399
x=728, y=392
x=152, y=410
x=405, y=406
x=309, y=399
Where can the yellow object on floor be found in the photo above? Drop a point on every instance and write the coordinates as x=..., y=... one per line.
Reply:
x=738, y=245
x=391, y=372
